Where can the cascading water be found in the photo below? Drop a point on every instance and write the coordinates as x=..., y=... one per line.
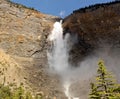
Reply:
x=58, y=56
x=71, y=75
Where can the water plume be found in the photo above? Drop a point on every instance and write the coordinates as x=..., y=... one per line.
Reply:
x=58, y=59
x=58, y=56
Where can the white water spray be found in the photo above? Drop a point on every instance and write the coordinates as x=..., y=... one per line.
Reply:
x=58, y=62
x=58, y=57
x=66, y=90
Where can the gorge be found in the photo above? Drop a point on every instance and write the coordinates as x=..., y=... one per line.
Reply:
x=87, y=35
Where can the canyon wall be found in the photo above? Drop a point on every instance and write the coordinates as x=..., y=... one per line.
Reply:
x=23, y=41
x=23, y=38
x=97, y=26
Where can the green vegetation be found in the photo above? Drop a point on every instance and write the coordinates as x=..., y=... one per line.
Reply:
x=96, y=6
x=13, y=92
x=6, y=92
x=105, y=86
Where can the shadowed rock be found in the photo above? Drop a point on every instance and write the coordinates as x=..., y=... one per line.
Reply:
x=96, y=26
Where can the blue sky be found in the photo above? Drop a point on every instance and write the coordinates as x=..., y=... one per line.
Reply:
x=60, y=8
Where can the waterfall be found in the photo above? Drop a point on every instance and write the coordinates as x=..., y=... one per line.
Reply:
x=58, y=56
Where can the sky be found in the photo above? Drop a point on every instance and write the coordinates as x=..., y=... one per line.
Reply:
x=59, y=8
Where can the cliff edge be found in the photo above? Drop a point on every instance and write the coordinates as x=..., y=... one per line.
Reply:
x=23, y=46
x=96, y=26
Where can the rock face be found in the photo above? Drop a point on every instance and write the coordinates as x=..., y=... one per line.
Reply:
x=96, y=26
x=97, y=29
x=23, y=37
x=23, y=42
x=22, y=29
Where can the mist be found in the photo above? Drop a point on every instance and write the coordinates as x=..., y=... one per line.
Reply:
x=76, y=80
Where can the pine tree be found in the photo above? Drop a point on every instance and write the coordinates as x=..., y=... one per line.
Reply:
x=94, y=94
x=105, y=85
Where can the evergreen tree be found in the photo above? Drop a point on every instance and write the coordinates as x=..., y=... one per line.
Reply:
x=105, y=85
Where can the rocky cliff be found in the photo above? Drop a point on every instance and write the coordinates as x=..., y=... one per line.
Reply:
x=97, y=30
x=23, y=45
x=96, y=26
x=23, y=42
